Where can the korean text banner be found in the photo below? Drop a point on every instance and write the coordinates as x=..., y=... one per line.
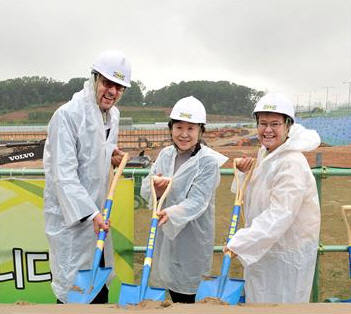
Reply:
x=24, y=259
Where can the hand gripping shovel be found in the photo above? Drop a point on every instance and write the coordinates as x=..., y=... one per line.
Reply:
x=133, y=294
x=89, y=282
x=227, y=289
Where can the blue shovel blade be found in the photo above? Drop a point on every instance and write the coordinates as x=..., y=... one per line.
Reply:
x=231, y=293
x=85, y=287
x=130, y=294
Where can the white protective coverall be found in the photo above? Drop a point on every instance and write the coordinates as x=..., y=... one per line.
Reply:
x=184, y=244
x=278, y=246
x=77, y=159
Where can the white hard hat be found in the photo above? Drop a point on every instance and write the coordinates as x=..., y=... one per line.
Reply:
x=275, y=102
x=189, y=109
x=113, y=65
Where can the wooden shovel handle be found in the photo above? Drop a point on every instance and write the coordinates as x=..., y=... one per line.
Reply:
x=240, y=191
x=164, y=195
x=157, y=205
x=118, y=173
x=344, y=209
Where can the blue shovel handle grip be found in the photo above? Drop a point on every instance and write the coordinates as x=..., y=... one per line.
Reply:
x=349, y=249
x=148, y=257
x=107, y=209
x=234, y=223
x=152, y=238
x=102, y=235
x=106, y=216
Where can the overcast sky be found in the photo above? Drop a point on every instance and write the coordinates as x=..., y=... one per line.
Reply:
x=298, y=47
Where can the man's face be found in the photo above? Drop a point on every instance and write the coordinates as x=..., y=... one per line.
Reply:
x=108, y=93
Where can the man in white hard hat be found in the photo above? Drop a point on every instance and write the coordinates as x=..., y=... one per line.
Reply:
x=184, y=242
x=79, y=149
x=278, y=245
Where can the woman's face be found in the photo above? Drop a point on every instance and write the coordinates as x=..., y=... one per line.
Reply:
x=108, y=93
x=271, y=129
x=185, y=134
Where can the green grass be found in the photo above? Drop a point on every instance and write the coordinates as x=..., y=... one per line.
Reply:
x=343, y=112
x=42, y=115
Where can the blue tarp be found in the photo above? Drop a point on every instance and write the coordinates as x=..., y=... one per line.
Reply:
x=333, y=131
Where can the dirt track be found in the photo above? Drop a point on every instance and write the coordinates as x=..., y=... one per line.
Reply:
x=335, y=156
x=222, y=140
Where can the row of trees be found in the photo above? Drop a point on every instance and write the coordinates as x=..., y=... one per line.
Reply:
x=218, y=97
x=21, y=93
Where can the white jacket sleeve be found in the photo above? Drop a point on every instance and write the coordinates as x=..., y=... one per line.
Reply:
x=145, y=190
x=74, y=200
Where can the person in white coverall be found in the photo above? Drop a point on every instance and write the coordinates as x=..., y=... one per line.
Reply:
x=79, y=149
x=278, y=245
x=184, y=242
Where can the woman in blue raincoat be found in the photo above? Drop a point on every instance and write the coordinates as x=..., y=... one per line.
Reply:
x=184, y=242
x=278, y=245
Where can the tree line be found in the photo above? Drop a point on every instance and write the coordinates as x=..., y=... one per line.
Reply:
x=220, y=97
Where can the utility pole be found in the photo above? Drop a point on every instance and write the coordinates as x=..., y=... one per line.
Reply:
x=336, y=100
x=326, y=99
x=349, y=82
x=297, y=105
x=309, y=100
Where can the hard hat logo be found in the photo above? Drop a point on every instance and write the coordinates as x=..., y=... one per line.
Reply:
x=113, y=65
x=185, y=115
x=277, y=103
x=189, y=109
x=119, y=75
x=269, y=107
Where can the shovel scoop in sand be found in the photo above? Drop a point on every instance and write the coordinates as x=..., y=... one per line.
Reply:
x=134, y=294
x=89, y=283
x=226, y=289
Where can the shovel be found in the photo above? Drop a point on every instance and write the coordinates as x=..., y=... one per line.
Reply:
x=134, y=294
x=227, y=289
x=89, y=282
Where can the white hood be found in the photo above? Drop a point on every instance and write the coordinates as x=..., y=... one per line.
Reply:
x=302, y=139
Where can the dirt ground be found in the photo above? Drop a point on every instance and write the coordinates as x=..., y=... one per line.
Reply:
x=157, y=307
x=331, y=156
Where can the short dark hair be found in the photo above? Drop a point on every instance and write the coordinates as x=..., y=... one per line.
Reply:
x=172, y=121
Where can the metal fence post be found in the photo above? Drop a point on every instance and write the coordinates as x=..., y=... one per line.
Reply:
x=315, y=285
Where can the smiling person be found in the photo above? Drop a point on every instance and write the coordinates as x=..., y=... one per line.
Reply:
x=278, y=245
x=184, y=242
x=79, y=149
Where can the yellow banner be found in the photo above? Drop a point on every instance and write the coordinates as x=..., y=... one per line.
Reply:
x=24, y=258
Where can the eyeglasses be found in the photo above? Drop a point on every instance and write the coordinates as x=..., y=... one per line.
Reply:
x=109, y=84
x=273, y=125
